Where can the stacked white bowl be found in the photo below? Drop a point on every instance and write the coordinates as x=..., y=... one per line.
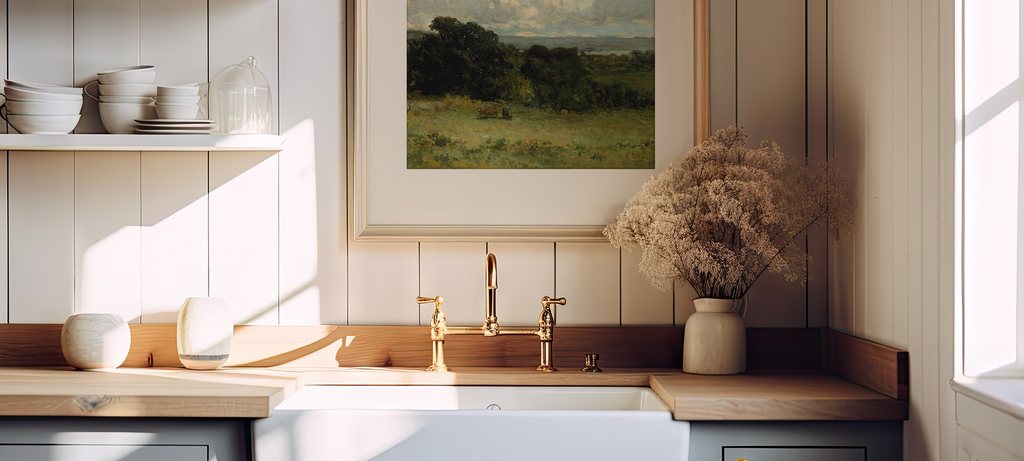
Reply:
x=126, y=94
x=39, y=108
x=178, y=102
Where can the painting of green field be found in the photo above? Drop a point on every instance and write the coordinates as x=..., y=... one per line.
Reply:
x=499, y=85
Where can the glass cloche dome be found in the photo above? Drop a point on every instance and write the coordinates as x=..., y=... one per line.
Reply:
x=240, y=100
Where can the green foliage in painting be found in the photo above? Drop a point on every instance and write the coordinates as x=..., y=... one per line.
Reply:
x=475, y=102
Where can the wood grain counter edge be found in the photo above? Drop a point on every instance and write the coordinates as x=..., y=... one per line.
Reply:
x=253, y=393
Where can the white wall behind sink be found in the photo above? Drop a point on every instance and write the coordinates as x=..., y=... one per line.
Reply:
x=268, y=233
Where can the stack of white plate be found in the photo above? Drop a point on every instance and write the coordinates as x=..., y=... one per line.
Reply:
x=39, y=108
x=174, y=126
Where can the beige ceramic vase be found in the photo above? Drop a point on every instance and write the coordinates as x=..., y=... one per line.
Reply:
x=204, y=333
x=715, y=338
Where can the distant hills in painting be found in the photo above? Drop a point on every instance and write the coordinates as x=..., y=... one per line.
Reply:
x=589, y=45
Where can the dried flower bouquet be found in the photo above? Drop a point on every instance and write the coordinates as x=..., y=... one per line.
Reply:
x=723, y=214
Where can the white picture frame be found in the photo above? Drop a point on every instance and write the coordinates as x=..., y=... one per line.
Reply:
x=388, y=202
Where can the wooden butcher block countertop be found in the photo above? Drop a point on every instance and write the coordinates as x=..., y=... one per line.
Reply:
x=811, y=396
x=254, y=392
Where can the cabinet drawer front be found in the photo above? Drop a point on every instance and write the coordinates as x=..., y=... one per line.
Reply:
x=104, y=452
x=795, y=454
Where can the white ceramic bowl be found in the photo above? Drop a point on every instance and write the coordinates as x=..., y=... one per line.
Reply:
x=127, y=89
x=15, y=107
x=25, y=94
x=177, y=111
x=119, y=118
x=43, y=124
x=128, y=99
x=44, y=87
x=177, y=99
x=134, y=74
x=191, y=89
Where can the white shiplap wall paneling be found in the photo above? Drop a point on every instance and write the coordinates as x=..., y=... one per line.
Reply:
x=106, y=36
x=41, y=43
x=723, y=64
x=244, y=235
x=847, y=56
x=817, y=152
x=587, y=276
x=457, y=272
x=683, y=296
x=175, y=232
x=526, y=273
x=107, y=238
x=642, y=304
x=312, y=91
x=900, y=166
x=175, y=237
x=771, y=106
x=41, y=227
x=877, y=204
x=3, y=236
x=242, y=28
x=383, y=283
x=920, y=423
x=300, y=295
x=172, y=37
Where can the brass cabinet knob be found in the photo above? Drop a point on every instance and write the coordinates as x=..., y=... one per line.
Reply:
x=590, y=363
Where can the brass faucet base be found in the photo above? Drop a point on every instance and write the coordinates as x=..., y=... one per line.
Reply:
x=546, y=368
x=437, y=368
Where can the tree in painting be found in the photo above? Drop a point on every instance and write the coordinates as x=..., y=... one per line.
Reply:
x=534, y=85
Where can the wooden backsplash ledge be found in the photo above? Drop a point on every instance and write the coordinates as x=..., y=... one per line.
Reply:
x=153, y=345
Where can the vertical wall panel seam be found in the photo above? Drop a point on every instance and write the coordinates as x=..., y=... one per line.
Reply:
x=138, y=48
x=141, y=199
x=209, y=242
x=278, y=155
x=419, y=281
x=74, y=228
x=807, y=134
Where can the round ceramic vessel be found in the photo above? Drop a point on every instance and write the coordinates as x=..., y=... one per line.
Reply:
x=119, y=118
x=95, y=341
x=204, y=333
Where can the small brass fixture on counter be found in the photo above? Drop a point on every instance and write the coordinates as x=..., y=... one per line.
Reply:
x=439, y=327
x=590, y=363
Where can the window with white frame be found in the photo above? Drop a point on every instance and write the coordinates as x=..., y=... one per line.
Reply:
x=990, y=188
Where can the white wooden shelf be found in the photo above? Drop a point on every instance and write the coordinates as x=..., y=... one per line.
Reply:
x=143, y=142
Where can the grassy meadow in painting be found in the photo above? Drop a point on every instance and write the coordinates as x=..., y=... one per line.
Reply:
x=479, y=100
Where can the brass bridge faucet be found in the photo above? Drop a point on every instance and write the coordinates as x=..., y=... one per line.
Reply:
x=439, y=327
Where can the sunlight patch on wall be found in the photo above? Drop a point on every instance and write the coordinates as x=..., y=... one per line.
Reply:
x=300, y=302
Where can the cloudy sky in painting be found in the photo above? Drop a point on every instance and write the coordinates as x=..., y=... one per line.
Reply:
x=552, y=18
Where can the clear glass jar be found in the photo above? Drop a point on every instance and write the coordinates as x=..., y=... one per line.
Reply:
x=240, y=100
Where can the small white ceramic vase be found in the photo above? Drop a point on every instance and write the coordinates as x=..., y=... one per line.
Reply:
x=204, y=333
x=715, y=338
x=95, y=341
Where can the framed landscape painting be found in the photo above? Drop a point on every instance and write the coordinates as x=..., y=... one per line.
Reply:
x=526, y=120
x=562, y=85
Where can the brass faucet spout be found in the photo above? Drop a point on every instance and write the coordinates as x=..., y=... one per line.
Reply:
x=491, y=310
